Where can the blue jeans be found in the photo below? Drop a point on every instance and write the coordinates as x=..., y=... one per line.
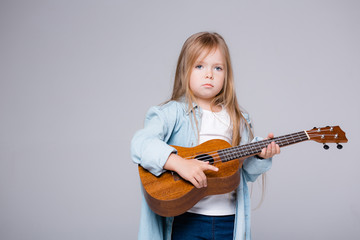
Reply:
x=190, y=226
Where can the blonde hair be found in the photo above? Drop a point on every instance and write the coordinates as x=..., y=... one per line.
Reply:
x=193, y=47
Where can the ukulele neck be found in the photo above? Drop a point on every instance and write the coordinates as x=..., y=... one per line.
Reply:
x=255, y=148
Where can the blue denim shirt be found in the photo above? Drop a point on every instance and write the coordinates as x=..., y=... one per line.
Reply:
x=173, y=124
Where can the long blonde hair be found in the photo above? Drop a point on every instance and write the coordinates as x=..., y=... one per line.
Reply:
x=193, y=47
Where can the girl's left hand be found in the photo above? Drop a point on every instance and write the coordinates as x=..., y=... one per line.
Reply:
x=271, y=150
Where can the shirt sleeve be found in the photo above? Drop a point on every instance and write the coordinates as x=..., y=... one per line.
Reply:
x=253, y=167
x=148, y=146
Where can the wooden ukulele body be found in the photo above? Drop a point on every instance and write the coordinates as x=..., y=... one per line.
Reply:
x=170, y=195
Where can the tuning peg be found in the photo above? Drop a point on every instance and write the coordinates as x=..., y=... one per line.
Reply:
x=326, y=147
x=339, y=146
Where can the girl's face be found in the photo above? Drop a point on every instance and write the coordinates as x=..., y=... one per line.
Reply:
x=207, y=77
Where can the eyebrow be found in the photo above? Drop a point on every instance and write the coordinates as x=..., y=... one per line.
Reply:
x=216, y=64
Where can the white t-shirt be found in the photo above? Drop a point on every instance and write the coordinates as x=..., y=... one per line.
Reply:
x=215, y=125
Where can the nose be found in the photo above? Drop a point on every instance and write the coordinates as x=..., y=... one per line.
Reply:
x=209, y=74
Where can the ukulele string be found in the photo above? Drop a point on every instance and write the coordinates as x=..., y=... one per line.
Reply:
x=248, y=149
x=319, y=134
x=214, y=155
x=321, y=131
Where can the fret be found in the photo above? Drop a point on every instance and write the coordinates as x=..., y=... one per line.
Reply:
x=287, y=141
x=223, y=154
x=293, y=140
x=232, y=154
x=253, y=149
x=281, y=141
x=245, y=151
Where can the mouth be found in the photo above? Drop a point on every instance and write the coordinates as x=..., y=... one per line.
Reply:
x=207, y=85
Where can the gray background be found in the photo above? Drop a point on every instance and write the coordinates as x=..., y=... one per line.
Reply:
x=77, y=77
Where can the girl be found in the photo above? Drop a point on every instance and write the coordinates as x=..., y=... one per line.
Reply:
x=203, y=106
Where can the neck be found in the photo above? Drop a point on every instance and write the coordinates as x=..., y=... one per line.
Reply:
x=256, y=147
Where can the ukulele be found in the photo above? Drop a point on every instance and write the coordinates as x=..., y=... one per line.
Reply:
x=170, y=195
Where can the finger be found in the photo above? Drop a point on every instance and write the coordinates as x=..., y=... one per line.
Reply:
x=270, y=135
x=201, y=179
x=210, y=167
x=268, y=151
x=277, y=149
x=273, y=148
x=195, y=183
x=263, y=153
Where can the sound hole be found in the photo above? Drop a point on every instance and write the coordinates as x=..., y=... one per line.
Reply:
x=201, y=157
x=205, y=158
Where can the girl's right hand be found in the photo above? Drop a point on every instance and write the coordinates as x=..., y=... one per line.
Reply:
x=191, y=170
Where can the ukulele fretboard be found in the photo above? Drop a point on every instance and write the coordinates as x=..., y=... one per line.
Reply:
x=256, y=147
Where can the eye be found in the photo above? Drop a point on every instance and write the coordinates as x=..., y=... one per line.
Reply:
x=218, y=68
x=199, y=66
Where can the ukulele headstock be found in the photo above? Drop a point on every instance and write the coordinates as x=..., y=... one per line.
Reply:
x=329, y=134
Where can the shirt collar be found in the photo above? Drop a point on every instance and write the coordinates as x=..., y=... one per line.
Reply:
x=186, y=108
